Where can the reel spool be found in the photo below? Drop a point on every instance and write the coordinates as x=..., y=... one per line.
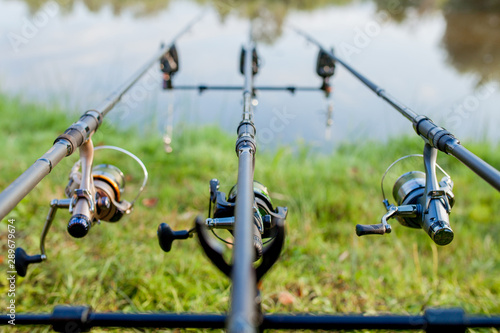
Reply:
x=406, y=191
x=109, y=182
x=261, y=195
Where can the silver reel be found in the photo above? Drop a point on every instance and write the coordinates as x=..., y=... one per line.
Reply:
x=421, y=202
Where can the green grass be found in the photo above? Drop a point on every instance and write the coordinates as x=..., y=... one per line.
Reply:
x=325, y=267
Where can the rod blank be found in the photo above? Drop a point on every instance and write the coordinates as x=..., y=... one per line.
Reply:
x=27, y=181
x=243, y=314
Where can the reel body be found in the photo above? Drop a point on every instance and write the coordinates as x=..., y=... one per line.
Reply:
x=102, y=187
x=99, y=190
x=421, y=202
x=409, y=189
x=223, y=213
x=268, y=221
x=109, y=183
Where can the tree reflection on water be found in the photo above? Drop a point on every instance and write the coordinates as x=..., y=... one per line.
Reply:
x=398, y=10
x=137, y=7
x=472, y=35
x=471, y=38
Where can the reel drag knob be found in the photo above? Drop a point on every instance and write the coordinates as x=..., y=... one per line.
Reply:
x=79, y=225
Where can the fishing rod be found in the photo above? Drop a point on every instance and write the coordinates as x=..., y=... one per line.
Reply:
x=432, y=134
x=421, y=200
x=243, y=314
x=247, y=213
x=77, y=134
x=94, y=193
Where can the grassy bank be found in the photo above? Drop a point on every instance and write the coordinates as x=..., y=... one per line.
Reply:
x=324, y=268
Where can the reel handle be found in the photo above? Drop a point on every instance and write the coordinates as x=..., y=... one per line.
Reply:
x=166, y=236
x=372, y=229
x=378, y=229
x=23, y=260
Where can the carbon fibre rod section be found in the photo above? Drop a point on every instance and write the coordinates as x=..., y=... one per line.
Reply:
x=243, y=317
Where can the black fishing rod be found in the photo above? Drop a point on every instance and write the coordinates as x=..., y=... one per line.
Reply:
x=243, y=315
x=432, y=134
x=247, y=212
x=76, y=135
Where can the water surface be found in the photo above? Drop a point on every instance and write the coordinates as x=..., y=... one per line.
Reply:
x=442, y=60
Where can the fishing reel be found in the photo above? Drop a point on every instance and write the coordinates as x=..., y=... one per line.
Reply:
x=263, y=213
x=109, y=184
x=268, y=227
x=421, y=202
x=325, y=68
x=93, y=194
x=169, y=65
